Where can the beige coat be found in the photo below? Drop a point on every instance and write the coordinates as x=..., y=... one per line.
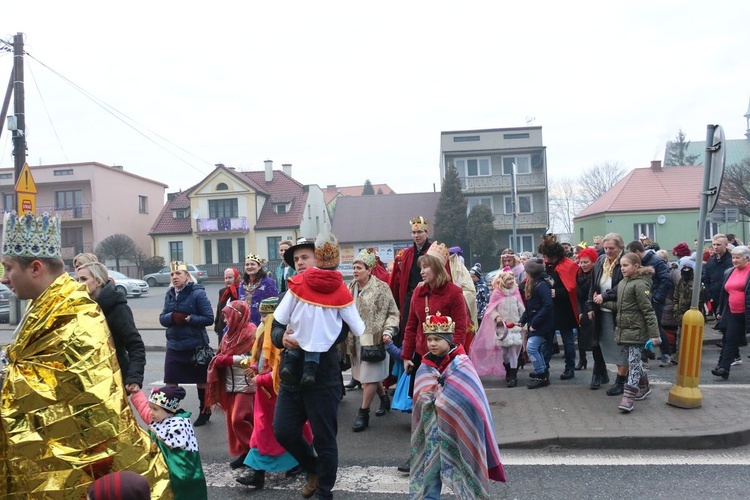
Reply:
x=378, y=310
x=462, y=278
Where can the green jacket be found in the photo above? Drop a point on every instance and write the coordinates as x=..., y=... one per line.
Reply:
x=636, y=320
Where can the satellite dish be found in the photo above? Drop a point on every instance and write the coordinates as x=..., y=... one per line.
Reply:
x=716, y=172
x=196, y=213
x=661, y=219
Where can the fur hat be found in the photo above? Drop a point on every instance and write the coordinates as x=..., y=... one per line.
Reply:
x=167, y=397
x=438, y=251
x=681, y=250
x=534, y=267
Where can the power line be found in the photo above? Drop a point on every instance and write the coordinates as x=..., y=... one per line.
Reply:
x=44, y=105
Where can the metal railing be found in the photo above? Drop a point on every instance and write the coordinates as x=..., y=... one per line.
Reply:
x=221, y=224
x=68, y=213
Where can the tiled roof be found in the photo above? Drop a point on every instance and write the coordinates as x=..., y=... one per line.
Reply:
x=332, y=191
x=643, y=189
x=166, y=224
x=381, y=218
x=282, y=189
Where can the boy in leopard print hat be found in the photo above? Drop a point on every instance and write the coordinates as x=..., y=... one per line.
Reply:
x=170, y=427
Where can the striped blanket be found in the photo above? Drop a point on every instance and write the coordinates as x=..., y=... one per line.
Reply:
x=452, y=430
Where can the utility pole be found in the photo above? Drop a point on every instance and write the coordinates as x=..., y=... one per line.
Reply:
x=19, y=134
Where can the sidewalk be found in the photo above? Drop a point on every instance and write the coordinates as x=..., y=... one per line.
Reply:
x=568, y=414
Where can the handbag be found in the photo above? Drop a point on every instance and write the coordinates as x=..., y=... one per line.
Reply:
x=401, y=400
x=372, y=353
x=203, y=355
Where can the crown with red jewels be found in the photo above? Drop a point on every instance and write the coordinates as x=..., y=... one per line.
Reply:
x=437, y=323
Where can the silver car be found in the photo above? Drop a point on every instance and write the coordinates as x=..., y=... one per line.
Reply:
x=5, y=294
x=163, y=276
x=127, y=285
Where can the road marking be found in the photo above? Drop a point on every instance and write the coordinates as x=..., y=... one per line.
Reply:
x=625, y=457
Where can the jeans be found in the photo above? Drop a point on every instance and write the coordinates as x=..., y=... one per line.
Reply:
x=569, y=347
x=320, y=407
x=536, y=347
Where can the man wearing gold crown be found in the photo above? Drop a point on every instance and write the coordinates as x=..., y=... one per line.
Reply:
x=64, y=417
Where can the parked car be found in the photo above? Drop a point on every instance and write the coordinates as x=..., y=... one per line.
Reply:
x=127, y=285
x=5, y=294
x=163, y=278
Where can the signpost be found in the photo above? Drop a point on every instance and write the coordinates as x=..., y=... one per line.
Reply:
x=26, y=191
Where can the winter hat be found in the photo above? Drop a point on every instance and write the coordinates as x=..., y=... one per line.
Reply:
x=476, y=270
x=681, y=250
x=124, y=484
x=167, y=397
x=534, y=267
x=268, y=305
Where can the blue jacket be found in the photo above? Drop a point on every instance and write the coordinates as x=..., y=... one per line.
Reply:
x=661, y=281
x=539, y=310
x=192, y=301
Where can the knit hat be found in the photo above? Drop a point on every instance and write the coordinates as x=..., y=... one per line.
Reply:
x=438, y=251
x=534, y=267
x=681, y=250
x=476, y=270
x=167, y=397
x=120, y=485
x=440, y=326
x=31, y=236
x=367, y=257
x=268, y=305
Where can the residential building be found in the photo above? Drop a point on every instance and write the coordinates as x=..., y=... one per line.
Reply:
x=231, y=213
x=93, y=201
x=662, y=203
x=485, y=162
x=380, y=222
x=332, y=193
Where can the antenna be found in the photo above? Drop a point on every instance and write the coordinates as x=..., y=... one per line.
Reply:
x=530, y=120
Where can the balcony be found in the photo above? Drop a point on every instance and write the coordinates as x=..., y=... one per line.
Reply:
x=70, y=251
x=72, y=213
x=496, y=183
x=222, y=225
x=524, y=221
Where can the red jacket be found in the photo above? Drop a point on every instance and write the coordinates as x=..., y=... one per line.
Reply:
x=399, y=280
x=567, y=269
x=449, y=301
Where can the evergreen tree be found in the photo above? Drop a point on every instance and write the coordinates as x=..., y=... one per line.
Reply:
x=450, y=214
x=677, y=152
x=380, y=190
x=368, y=189
x=480, y=233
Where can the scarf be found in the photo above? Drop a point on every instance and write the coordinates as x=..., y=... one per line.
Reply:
x=231, y=290
x=270, y=353
x=238, y=339
x=609, y=266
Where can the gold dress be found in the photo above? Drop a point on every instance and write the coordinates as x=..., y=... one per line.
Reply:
x=65, y=417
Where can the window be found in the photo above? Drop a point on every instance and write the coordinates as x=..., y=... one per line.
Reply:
x=273, y=246
x=525, y=205
x=142, y=204
x=68, y=199
x=175, y=251
x=712, y=228
x=281, y=208
x=523, y=164
x=523, y=243
x=479, y=200
x=241, y=248
x=466, y=138
x=222, y=187
x=473, y=167
x=67, y=171
x=6, y=176
x=524, y=135
x=222, y=208
x=180, y=213
x=72, y=237
x=646, y=229
x=208, y=252
x=224, y=249
x=9, y=202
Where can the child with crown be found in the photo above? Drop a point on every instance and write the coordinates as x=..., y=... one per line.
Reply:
x=453, y=438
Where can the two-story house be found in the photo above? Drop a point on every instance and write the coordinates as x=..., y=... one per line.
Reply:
x=484, y=160
x=231, y=213
x=93, y=201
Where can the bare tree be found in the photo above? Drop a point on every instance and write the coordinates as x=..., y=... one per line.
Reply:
x=597, y=180
x=564, y=204
x=735, y=186
x=117, y=246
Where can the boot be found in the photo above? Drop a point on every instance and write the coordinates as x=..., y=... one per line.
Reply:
x=513, y=380
x=555, y=348
x=596, y=381
x=238, y=462
x=288, y=375
x=644, y=389
x=363, y=420
x=618, y=386
x=507, y=371
x=353, y=383
x=542, y=380
x=523, y=358
x=203, y=413
x=385, y=405
x=628, y=397
x=256, y=478
x=567, y=374
x=310, y=486
x=308, y=375
x=583, y=363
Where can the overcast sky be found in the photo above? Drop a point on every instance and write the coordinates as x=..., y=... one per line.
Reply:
x=347, y=91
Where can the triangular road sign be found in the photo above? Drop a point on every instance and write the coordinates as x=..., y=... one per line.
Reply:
x=25, y=182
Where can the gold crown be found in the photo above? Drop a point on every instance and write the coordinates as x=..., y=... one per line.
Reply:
x=437, y=323
x=439, y=251
x=177, y=266
x=31, y=236
x=419, y=223
x=255, y=258
x=367, y=257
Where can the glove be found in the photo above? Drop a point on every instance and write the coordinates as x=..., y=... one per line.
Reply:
x=649, y=345
x=179, y=318
x=224, y=361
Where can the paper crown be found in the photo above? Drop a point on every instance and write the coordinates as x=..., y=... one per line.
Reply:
x=439, y=251
x=437, y=323
x=167, y=397
x=268, y=305
x=419, y=223
x=177, y=266
x=31, y=236
x=327, y=253
x=367, y=257
x=255, y=258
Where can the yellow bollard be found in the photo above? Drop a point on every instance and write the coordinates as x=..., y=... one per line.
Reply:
x=685, y=392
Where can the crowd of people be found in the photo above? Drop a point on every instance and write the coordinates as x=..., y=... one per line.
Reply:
x=426, y=330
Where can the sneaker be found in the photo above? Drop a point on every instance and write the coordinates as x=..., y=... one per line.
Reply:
x=664, y=360
x=737, y=361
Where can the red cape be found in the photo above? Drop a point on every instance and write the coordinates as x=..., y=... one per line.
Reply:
x=322, y=288
x=568, y=270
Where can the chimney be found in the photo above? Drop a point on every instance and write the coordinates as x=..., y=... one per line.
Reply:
x=656, y=165
x=331, y=186
x=269, y=170
x=287, y=168
x=219, y=165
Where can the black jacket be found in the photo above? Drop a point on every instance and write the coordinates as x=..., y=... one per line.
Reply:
x=662, y=283
x=713, y=275
x=723, y=309
x=131, y=353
